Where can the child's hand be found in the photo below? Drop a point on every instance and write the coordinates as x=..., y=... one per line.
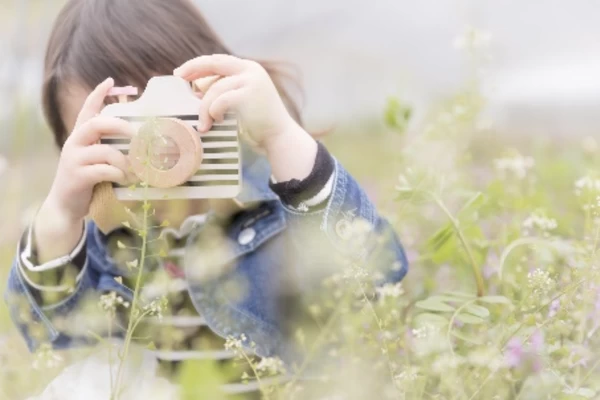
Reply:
x=246, y=88
x=83, y=164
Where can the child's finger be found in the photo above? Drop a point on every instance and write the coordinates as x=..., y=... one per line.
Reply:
x=93, y=129
x=203, y=84
x=104, y=154
x=226, y=102
x=104, y=173
x=216, y=90
x=94, y=102
x=219, y=64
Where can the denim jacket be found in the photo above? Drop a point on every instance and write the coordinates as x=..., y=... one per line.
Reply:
x=268, y=245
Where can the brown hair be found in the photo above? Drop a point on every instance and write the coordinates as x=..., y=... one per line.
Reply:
x=130, y=41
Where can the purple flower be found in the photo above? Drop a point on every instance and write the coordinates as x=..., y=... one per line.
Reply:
x=491, y=266
x=553, y=310
x=537, y=345
x=537, y=341
x=515, y=352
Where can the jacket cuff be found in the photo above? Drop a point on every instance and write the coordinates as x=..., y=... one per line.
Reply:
x=52, y=276
x=311, y=193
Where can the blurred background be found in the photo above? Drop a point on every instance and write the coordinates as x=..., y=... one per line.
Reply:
x=540, y=74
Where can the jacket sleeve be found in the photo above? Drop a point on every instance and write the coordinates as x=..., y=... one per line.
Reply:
x=335, y=226
x=39, y=297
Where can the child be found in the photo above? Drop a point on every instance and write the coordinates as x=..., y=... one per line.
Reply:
x=291, y=225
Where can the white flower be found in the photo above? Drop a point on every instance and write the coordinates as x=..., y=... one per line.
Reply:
x=425, y=331
x=271, y=365
x=157, y=307
x=538, y=220
x=587, y=186
x=390, y=290
x=233, y=343
x=110, y=301
x=540, y=282
x=45, y=357
x=407, y=376
x=356, y=272
x=516, y=165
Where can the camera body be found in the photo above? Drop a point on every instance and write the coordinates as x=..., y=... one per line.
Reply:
x=208, y=164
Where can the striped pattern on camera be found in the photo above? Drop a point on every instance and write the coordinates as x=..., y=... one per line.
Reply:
x=220, y=168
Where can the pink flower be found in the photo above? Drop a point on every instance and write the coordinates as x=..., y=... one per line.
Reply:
x=537, y=346
x=537, y=341
x=514, y=352
x=491, y=266
x=519, y=355
x=553, y=310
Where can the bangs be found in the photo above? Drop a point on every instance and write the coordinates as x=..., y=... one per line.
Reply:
x=141, y=39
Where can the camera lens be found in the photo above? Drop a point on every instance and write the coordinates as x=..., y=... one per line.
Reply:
x=163, y=152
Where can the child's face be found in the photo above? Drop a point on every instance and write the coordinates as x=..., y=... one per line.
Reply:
x=175, y=211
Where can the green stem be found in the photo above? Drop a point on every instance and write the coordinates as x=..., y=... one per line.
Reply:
x=449, y=332
x=476, y=271
x=572, y=286
x=492, y=373
x=590, y=372
x=110, y=371
x=322, y=335
x=451, y=323
x=378, y=320
x=134, y=303
x=518, y=243
x=255, y=372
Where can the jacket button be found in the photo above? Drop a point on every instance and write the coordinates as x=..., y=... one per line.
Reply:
x=246, y=236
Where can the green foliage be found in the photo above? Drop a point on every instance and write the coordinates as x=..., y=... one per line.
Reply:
x=397, y=115
x=502, y=300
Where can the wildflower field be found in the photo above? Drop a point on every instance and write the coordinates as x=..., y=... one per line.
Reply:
x=502, y=299
x=503, y=294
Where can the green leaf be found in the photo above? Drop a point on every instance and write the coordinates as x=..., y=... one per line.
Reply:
x=432, y=305
x=397, y=115
x=151, y=346
x=472, y=205
x=470, y=319
x=430, y=318
x=165, y=224
x=495, y=300
x=412, y=195
x=460, y=295
x=445, y=299
x=478, y=311
x=466, y=338
x=132, y=264
x=441, y=237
